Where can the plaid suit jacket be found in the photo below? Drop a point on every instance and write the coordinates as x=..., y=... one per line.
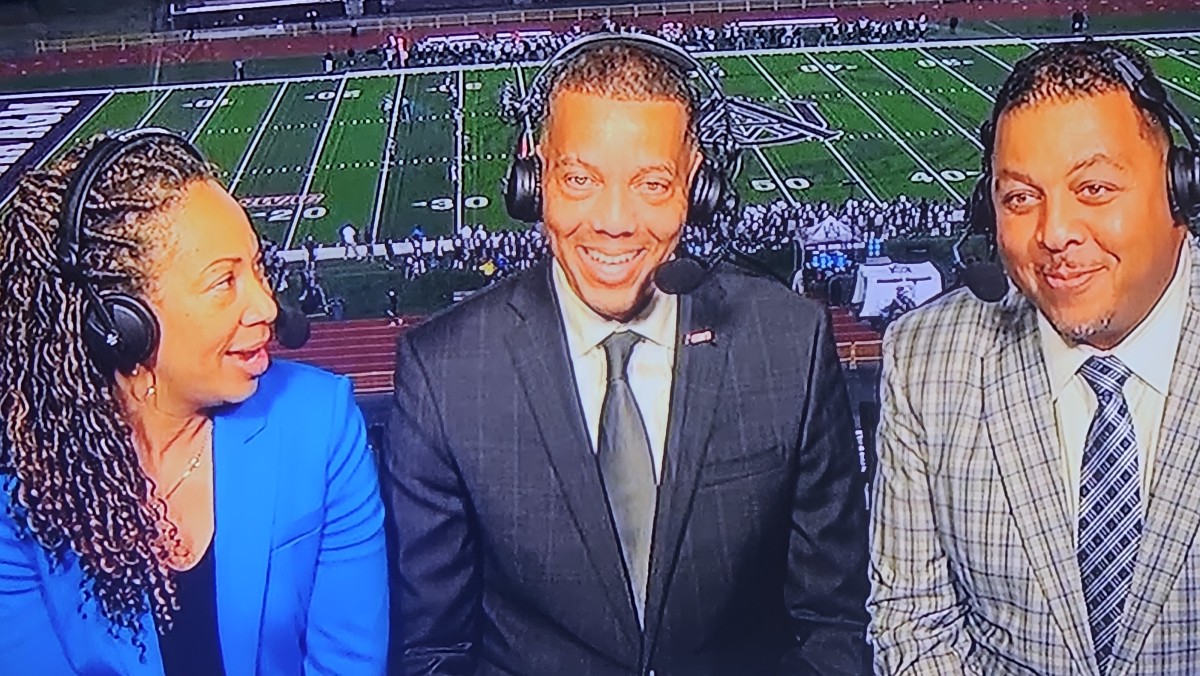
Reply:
x=974, y=567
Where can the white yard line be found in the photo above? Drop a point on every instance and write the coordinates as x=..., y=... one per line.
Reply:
x=1000, y=28
x=889, y=130
x=924, y=99
x=381, y=191
x=460, y=115
x=846, y=166
x=992, y=57
x=1183, y=90
x=957, y=75
x=95, y=111
x=783, y=189
x=154, y=108
x=315, y=162
x=832, y=49
x=208, y=116
x=258, y=134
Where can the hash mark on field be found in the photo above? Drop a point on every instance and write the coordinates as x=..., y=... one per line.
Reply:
x=316, y=159
x=263, y=124
x=153, y=109
x=886, y=128
x=929, y=55
x=208, y=115
x=837, y=155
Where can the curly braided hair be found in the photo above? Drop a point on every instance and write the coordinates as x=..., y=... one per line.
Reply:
x=68, y=460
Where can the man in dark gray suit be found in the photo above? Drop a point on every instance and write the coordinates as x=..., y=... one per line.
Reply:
x=588, y=476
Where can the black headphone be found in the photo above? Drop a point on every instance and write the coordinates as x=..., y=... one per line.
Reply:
x=710, y=190
x=985, y=277
x=119, y=329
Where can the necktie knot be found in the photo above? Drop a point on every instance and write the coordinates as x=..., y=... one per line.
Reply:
x=618, y=347
x=1105, y=375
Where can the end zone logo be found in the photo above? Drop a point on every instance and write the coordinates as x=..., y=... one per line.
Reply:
x=282, y=208
x=268, y=201
x=31, y=128
x=754, y=124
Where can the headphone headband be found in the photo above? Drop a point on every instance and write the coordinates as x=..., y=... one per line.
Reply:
x=120, y=330
x=664, y=49
x=99, y=160
x=711, y=189
x=986, y=278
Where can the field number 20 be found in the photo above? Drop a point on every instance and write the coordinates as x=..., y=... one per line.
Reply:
x=285, y=215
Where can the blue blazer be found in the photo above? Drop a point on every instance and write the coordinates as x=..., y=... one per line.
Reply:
x=301, y=564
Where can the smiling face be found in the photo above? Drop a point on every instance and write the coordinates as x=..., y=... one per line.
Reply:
x=615, y=193
x=212, y=303
x=1083, y=222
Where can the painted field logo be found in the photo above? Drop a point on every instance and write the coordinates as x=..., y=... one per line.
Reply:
x=30, y=129
x=756, y=125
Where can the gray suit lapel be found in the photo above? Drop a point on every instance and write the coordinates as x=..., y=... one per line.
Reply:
x=538, y=345
x=1172, y=518
x=1019, y=418
x=699, y=374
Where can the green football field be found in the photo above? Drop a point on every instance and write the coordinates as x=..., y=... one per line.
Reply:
x=820, y=124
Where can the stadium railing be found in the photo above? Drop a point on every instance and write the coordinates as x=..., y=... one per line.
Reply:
x=476, y=18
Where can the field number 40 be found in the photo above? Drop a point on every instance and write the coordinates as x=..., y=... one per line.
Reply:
x=952, y=175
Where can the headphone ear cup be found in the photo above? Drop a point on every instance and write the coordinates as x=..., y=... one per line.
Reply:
x=706, y=193
x=522, y=189
x=980, y=212
x=1183, y=183
x=134, y=337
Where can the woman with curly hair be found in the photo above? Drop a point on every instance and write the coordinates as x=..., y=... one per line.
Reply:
x=172, y=500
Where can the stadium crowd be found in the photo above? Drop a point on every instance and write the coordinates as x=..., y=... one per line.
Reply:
x=855, y=225
x=538, y=46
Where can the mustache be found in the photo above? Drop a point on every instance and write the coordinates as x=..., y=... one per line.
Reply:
x=1064, y=267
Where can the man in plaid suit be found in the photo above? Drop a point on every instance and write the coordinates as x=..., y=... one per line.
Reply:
x=1038, y=487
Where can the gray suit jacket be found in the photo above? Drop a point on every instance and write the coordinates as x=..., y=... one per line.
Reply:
x=974, y=564
x=506, y=560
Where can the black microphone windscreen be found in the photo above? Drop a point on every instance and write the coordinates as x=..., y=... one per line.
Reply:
x=987, y=281
x=679, y=276
x=291, y=327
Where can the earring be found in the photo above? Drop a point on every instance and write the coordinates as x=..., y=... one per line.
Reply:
x=151, y=389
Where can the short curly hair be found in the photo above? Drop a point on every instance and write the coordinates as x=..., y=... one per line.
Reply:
x=623, y=72
x=1069, y=70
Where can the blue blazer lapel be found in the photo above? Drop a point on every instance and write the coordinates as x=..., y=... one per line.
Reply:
x=245, y=471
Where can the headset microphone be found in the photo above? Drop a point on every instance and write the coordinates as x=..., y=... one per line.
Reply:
x=292, y=328
x=680, y=276
x=120, y=329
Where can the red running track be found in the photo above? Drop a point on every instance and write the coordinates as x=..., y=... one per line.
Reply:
x=365, y=349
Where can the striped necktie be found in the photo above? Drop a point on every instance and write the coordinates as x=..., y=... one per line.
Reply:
x=1110, y=514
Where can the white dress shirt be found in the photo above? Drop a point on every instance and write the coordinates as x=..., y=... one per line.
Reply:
x=651, y=365
x=1149, y=352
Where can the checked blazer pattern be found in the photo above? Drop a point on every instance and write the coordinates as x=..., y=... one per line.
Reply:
x=974, y=566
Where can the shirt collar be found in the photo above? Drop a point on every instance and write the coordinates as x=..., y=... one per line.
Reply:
x=586, y=329
x=1148, y=351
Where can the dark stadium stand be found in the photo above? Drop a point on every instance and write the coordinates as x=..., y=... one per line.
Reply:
x=197, y=14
